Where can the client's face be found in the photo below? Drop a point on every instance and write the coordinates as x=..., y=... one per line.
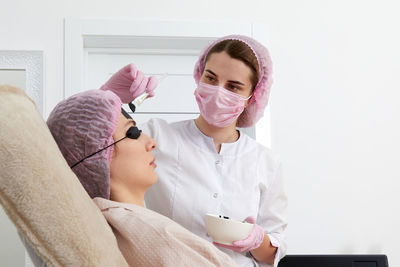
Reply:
x=132, y=164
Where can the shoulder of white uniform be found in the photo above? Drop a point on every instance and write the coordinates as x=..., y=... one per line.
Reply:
x=184, y=123
x=164, y=133
x=154, y=122
x=161, y=123
x=154, y=127
x=263, y=153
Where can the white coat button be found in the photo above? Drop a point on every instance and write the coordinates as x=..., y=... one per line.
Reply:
x=215, y=195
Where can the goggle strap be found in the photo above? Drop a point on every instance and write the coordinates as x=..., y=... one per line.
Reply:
x=97, y=152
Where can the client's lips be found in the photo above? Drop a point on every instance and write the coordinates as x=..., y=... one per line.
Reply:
x=153, y=163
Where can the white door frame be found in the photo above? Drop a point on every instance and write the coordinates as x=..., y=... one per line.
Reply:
x=77, y=31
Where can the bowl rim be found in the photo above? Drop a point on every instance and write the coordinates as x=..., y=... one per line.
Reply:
x=226, y=220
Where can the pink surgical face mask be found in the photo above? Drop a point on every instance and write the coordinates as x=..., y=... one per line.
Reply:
x=219, y=106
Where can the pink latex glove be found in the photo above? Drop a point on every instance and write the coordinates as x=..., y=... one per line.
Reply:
x=129, y=83
x=251, y=242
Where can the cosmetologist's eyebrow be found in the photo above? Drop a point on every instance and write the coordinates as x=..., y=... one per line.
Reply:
x=235, y=82
x=211, y=72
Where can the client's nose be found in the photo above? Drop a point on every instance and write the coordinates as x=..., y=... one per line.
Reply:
x=150, y=143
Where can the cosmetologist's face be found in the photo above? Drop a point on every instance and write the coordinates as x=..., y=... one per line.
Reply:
x=230, y=73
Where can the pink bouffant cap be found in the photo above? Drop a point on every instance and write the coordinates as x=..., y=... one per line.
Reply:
x=81, y=125
x=255, y=109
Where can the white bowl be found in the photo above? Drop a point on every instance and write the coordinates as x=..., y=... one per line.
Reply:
x=225, y=231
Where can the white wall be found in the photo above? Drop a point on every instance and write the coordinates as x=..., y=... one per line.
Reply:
x=335, y=120
x=333, y=104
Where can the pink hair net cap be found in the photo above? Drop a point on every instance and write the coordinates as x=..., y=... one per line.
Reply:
x=81, y=125
x=255, y=109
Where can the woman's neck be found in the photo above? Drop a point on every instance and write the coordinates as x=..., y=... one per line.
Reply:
x=126, y=196
x=219, y=135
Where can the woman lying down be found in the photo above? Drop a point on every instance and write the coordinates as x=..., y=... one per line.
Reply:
x=113, y=160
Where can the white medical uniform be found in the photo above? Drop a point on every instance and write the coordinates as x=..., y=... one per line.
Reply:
x=243, y=180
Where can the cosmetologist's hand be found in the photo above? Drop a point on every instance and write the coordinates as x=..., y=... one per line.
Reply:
x=252, y=241
x=129, y=83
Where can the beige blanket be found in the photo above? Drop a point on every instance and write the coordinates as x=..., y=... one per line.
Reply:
x=147, y=238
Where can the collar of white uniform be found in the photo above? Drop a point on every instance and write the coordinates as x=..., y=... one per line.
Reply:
x=206, y=143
